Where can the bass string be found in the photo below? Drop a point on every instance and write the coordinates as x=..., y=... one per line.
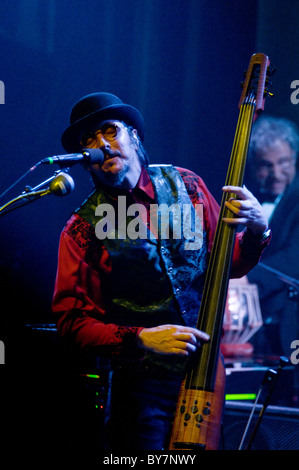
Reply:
x=243, y=131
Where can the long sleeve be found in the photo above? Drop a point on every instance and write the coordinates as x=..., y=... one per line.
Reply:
x=77, y=302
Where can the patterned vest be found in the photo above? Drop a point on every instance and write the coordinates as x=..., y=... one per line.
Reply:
x=153, y=281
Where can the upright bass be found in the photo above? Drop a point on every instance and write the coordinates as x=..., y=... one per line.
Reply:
x=197, y=422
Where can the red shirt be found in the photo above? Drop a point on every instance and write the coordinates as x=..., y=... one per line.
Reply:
x=78, y=301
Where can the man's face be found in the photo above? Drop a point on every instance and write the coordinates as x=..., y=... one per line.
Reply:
x=275, y=168
x=121, y=167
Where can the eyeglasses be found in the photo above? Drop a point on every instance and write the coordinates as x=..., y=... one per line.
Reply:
x=109, y=131
x=283, y=163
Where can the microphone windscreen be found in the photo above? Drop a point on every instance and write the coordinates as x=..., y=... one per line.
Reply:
x=93, y=156
x=62, y=184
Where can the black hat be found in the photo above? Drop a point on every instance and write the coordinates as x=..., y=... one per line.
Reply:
x=94, y=108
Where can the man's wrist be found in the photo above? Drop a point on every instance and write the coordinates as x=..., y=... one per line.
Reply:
x=259, y=238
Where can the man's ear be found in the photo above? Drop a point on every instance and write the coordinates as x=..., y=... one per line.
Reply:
x=135, y=136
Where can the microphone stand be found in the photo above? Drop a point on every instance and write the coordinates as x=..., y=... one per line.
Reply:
x=29, y=195
x=293, y=294
x=270, y=379
x=294, y=283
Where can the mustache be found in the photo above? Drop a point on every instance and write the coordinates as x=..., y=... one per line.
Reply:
x=110, y=154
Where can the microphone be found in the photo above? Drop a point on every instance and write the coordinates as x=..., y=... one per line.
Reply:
x=87, y=157
x=62, y=185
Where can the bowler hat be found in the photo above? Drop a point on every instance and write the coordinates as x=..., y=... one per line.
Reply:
x=93, y=109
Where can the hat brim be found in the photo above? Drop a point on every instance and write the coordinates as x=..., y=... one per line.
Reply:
x=72, y=135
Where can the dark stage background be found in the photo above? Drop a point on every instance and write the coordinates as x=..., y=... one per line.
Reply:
x=180, y=62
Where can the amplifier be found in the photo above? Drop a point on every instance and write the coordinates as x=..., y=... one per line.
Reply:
x=278, y=430
x=243, y=383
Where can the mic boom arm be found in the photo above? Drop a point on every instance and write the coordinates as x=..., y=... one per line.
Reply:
x=61, y=184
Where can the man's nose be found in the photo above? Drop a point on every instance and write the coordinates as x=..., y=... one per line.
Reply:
x=102, y=143
x=275, y=171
